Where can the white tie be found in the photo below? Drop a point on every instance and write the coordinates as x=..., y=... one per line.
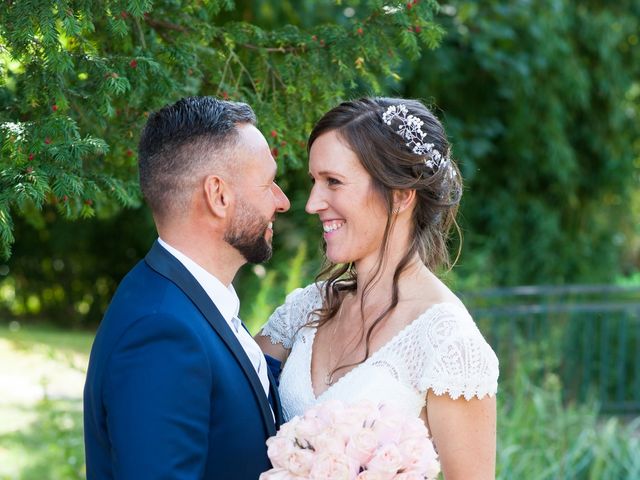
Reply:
x=253, y=352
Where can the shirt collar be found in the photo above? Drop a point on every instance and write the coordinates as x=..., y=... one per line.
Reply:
x=225, y=298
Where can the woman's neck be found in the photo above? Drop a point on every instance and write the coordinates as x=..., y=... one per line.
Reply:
x=378, y=281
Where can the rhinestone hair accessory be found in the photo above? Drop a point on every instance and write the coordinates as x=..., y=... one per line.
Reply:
x=410, y=129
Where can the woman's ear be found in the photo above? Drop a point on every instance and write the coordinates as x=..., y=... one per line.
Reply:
x=403, y=200
x=218, y=195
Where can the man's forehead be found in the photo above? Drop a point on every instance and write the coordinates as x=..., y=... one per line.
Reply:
x=250, y=136
x=255, y=163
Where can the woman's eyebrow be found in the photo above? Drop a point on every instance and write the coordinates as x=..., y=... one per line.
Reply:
x=328, y=173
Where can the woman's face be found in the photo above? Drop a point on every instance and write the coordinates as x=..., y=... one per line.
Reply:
x=353, y=215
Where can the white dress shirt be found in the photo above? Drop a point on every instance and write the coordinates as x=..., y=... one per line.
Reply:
x=227, y=302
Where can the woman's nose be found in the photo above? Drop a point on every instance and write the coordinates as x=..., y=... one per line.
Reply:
x=315, y=203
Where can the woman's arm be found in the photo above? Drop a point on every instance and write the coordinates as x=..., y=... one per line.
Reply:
x=276, y=337
x=464, y=434
x=276, y=350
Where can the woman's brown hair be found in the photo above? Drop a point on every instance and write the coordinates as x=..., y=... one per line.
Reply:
x=393, y=165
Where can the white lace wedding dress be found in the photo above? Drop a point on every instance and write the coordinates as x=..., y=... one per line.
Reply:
x=442, y=350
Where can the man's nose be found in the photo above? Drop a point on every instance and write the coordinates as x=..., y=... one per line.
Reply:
x=282, y=202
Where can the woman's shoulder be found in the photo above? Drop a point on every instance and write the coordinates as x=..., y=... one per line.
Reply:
x=305, y=296
x=430, y=295
x=450, y=311
x=445, y=321
x=458, y=359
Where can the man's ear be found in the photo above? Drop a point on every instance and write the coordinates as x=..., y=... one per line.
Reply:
x=403, y=199
x=218, y=195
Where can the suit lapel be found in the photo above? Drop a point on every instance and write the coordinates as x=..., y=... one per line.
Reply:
x=168, y=266
x=275, y=398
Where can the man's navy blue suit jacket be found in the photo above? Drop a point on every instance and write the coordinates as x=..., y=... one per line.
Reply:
x=170, y=392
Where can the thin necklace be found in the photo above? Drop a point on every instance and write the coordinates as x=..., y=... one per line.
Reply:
x=329, y=376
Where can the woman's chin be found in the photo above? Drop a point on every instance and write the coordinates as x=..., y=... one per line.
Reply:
x=336, y=257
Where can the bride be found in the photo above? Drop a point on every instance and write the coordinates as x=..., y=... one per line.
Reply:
x=382, y=326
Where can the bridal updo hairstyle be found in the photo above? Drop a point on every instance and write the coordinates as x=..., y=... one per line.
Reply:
x=393, y=165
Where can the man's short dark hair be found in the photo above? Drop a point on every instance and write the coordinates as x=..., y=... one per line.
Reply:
x=179, y=140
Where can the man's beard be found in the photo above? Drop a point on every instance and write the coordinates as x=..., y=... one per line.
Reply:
x=247, y=235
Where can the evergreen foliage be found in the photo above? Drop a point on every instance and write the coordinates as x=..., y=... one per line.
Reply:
x=79, y=77
x=541, y=101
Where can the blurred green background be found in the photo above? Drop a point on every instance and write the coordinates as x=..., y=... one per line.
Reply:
x=540, y=99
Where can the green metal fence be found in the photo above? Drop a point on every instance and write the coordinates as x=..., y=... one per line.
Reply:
x=589, y=335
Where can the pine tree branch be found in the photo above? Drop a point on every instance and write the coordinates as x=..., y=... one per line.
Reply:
x=275, y=76
x=164, y=24
x=272, y=49
x=140, y=33
x=159, y=25
x=246, y=71
x=224, y=72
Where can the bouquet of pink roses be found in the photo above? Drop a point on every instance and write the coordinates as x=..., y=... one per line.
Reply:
x=362, y=441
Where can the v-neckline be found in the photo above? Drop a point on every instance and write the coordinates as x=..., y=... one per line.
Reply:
x=393, y=339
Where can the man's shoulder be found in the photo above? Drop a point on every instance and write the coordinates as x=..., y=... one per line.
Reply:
x=145, y=302
x=141, y=281
x=144, y=292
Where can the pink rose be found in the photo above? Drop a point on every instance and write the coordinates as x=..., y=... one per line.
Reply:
x=363, y=409
x=312, y=412
x=308, y=428
x=429, y=471
x=362, y=413
x=362, y=445
x=288, y=429
x=389, y=425
x=331, y=411
x=387, y=458
x=375, y=475
x=433, y=470
x=278, y=474
x=330, y=440
x=333, y=466
x=414, y=427
x=410, y=475
x=419, y=454
x=279, y=449
x=429, y=467
x=299, y=462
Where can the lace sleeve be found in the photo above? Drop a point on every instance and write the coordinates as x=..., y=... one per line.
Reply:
x=286, y=320
x=462, y=362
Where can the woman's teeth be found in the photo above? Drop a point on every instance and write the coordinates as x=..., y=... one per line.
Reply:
x=331, y=226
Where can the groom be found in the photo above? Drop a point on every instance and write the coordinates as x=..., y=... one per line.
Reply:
x=176, y=387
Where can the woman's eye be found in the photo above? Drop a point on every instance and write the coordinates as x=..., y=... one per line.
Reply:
x=333, y=181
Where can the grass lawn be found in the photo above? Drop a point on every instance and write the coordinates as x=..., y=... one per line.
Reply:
x=42, y=373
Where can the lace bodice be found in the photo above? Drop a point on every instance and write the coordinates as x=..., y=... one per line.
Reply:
x=442, y=350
